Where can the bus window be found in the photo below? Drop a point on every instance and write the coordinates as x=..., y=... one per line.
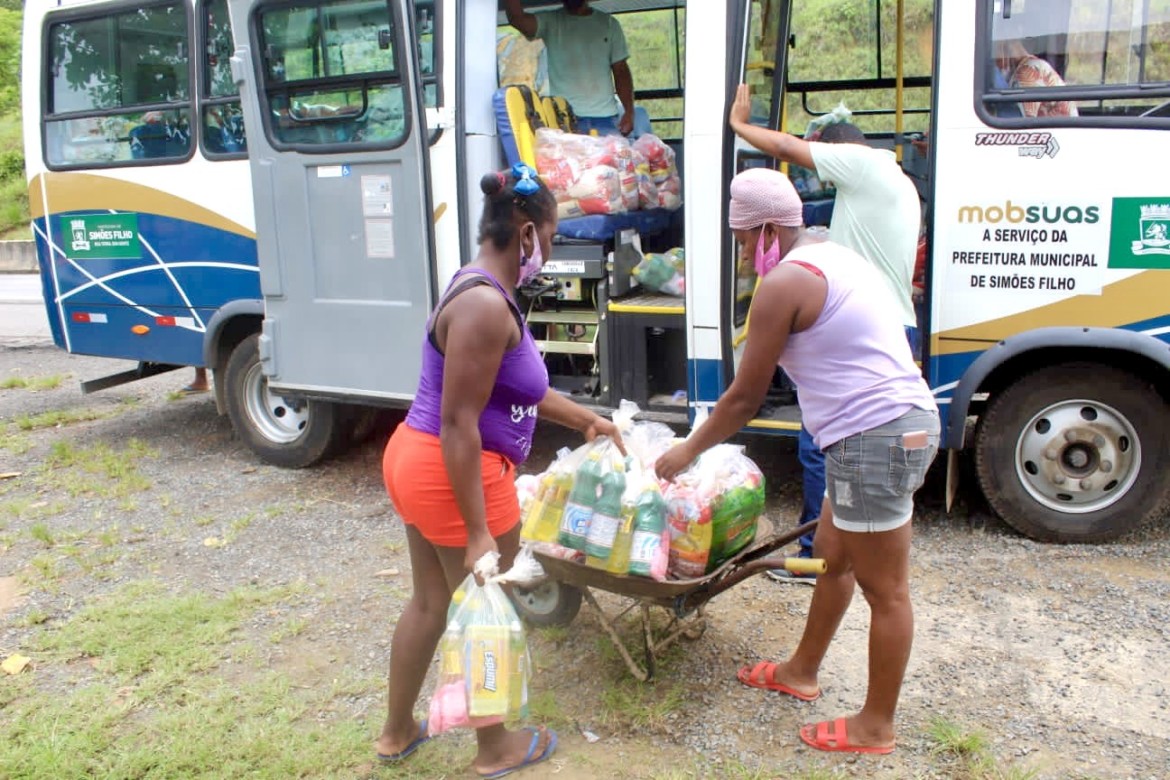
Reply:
x=331, y=74
x=850, y=57
x=426, y=27
x=1094, y=59
x=655, y=41
x=119, y=88
x=223, y=120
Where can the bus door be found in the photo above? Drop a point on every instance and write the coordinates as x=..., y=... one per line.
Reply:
x=337, y=143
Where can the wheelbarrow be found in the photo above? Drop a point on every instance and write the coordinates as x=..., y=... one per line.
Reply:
x=556, y=600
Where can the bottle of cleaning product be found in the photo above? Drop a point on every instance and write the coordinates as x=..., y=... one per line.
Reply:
x=619, y=558
x=536, y=507
x=548, y=525
x=579, y=508
x=649, y=524
x=607, y=516
x=517, y=671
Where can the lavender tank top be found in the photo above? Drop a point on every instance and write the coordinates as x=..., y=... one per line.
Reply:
x=853, y=368
x=509, y=419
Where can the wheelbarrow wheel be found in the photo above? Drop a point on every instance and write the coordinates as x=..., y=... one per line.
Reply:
x=549, y=603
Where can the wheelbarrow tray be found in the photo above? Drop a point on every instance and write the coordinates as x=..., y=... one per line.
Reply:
x=751, y=560
x=684, y=599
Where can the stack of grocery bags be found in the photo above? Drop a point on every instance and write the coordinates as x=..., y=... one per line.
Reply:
x=595, y=506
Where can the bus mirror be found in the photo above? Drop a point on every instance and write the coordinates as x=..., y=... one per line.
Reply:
x=384, y=39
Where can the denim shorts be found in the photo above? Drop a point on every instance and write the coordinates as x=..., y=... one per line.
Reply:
x=871, y=477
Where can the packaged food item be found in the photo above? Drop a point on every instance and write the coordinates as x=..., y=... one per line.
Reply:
x=484, y=665
x=665, y=273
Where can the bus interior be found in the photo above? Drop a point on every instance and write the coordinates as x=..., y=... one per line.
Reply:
x=608, y=339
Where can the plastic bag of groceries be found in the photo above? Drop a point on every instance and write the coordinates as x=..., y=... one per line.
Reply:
x=485, y=667
x=586, y=175
x=818, y=124
x=713, y=509
x=659, y=157
x=588, y=504
x=663, y=273
x=670, y=193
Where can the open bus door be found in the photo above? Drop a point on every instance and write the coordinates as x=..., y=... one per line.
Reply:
x=338, y=149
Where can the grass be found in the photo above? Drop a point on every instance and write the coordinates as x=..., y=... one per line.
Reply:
x=99, y=469
x=41, y=533
x=32, y=383
x=58, y=418
x=15, y=443
x=628, y=703
x=153, y=700
x=971, y=753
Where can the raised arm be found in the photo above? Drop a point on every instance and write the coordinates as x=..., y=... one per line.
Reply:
x=520, y=19
x=782, y=146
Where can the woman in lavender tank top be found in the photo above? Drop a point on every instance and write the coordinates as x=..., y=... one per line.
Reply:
x=449, y=467
x=822, y=313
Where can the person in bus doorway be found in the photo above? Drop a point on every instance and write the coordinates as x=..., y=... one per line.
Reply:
x=822, y=314
x=876, y=213
x=586, y=62
x=450, y=466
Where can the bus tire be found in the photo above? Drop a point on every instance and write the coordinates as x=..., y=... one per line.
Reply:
x=1075, y=452
x=548, y=603
x=280, y=432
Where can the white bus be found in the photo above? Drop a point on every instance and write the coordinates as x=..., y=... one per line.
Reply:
x=278, y=190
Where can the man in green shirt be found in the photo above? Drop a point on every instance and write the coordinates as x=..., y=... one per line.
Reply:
x=586, y=62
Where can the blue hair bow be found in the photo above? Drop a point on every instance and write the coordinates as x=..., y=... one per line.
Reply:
x=527, y=180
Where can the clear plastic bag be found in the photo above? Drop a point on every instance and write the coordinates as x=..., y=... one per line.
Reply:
x=663, y=273
x=817, y=125
x=484, y=664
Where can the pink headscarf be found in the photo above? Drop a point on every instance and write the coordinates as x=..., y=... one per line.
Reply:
x=762, y=195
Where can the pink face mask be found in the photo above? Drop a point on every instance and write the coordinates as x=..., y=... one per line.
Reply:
x=768, y=259
x=530, y=265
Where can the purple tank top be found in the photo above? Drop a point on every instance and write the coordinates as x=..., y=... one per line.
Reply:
x=509, y=419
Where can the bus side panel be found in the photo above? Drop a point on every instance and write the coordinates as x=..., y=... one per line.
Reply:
x=139, y=272
x=1025, y=235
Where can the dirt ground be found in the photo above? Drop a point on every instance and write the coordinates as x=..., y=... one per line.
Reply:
x=1056, y=653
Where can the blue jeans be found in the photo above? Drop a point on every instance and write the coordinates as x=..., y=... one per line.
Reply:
x=812, y=465
x=604, y=125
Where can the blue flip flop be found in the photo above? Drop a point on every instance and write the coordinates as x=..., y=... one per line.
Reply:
x=419, y=741
x=529, y=757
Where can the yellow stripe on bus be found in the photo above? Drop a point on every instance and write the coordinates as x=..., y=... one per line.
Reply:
x=634, y=308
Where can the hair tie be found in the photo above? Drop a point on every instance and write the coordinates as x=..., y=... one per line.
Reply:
x=502, y=180
x=527, y=180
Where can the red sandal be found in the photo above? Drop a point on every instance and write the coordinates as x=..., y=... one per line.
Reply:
x=830, y=736
x=761, y=676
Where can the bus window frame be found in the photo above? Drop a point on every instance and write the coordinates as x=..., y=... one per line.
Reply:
x=66, y=15
x=363, y=83
x=984, y=94
x=664, y=93
x=436, y=75
x=205, y=98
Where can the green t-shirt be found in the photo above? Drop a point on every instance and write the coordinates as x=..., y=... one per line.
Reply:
x=876, y=214
x=581, y=53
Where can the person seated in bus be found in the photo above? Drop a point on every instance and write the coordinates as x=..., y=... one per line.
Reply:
x=822, y=313
x=156, y=138
x=450, y=466
x=876, y=213
x=1023, y=70
x=586, y=51
x=223, y=129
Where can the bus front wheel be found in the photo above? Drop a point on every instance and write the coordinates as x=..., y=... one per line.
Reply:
x=292, y=433
x=1075, y=452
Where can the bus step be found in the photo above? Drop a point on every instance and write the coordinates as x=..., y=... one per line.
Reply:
x=144, y=371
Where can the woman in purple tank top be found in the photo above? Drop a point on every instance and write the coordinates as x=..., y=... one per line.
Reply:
x=822, y=313
x=449, y=467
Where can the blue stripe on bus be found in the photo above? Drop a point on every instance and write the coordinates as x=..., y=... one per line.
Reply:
x=209, y=266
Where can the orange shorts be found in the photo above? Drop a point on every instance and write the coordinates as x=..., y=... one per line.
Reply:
x=416, y=479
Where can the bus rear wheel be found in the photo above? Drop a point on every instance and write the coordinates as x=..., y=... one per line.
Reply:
x=293, y=433
x=1075, y=453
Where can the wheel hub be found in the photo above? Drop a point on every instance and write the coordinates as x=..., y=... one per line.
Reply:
x=279, y=420
x=1078, y=456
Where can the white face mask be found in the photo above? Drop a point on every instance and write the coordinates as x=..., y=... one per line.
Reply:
x=530, y=265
